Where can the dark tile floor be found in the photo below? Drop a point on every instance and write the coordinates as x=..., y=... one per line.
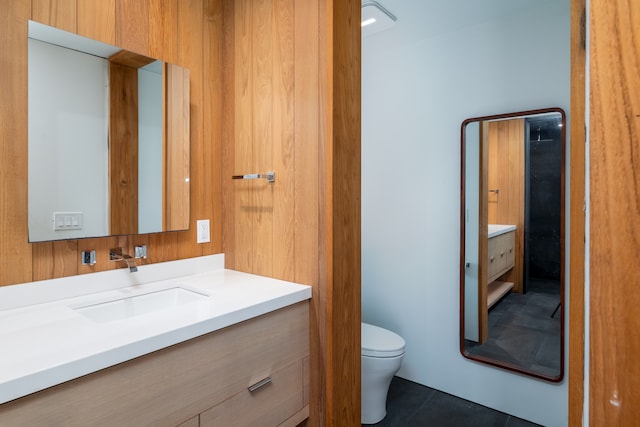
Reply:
x=414, y=405
x=524, y=329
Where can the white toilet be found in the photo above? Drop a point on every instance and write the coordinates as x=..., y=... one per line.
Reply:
x=382, y=354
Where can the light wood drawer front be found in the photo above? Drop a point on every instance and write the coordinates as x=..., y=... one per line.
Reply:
x=169, y=386
x=493, y=257
x=501, y=254
x=267, y=406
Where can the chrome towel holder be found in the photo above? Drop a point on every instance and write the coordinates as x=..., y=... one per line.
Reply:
x=269, y=176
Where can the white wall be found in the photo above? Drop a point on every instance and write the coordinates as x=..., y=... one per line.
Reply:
x=68, y=152
x=417, y=88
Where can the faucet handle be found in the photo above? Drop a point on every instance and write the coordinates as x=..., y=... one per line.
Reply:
x=140, y=251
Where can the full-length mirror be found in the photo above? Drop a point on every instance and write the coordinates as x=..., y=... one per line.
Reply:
x=108, y=139
x=512, y=241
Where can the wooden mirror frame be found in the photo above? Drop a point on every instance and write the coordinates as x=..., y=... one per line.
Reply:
x=463, y=351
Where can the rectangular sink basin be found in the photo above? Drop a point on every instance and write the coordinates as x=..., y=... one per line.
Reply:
x=140, y=304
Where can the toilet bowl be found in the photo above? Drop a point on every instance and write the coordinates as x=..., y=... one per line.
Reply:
x=382, y=354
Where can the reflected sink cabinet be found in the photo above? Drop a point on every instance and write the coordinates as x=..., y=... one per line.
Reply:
x=252, y=373
x=501, y=255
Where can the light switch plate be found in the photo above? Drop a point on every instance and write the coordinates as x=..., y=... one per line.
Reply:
x=67, y=221
x=204, y=235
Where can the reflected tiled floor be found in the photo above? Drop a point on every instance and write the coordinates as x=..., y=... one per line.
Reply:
x=413, y=405
x=524, y=329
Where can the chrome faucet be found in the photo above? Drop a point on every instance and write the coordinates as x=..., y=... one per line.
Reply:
x=116, y=254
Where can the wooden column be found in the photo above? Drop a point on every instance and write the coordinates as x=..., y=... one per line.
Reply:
x=614, y=247
x=576, y=213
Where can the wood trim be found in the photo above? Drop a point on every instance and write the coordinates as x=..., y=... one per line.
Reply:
x=576, y=213
x=130, y=59
x=614, y=247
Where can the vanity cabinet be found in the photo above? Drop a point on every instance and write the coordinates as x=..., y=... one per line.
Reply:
x=501, y=257
x=201, y=382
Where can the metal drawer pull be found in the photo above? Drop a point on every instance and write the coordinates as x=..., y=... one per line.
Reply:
x=269, y=176
x=259, y=384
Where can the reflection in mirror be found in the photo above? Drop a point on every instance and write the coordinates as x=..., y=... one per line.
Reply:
x=108, y=139
x=512, y=242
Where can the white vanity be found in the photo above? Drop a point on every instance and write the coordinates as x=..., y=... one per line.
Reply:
x=501, y=257
x=179, y=343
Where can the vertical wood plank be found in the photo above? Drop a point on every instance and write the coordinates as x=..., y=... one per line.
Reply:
x=123, y=149
x=163, y=30
x=309, y=173
x=176, y=165
x=15, y=251
x=132, y=25
x=243, y=141
x=56, y=13
x=577, y=216
x=229, y=216
x=190, y=39
x=614, y=248
x=212, y=126
x=65, y=253
x=97, y=20
x=283, y=151
x=262, y=139
x=343, y=327
x=162, y=247
x=55, y=259
x=42, y=255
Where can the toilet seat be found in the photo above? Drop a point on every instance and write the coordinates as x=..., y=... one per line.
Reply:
x=380, y=342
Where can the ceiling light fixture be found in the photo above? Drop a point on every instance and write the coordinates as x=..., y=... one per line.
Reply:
x=374, y=13
x=368, y=22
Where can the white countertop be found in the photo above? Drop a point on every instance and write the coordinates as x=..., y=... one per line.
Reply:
x=498, y=229
x=49, y=342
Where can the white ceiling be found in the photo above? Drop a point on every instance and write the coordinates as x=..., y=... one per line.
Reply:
x=418, y=19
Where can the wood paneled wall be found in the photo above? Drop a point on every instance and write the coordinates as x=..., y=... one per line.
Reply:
x=292, y=106
x=614, y=123
x=187, y=33
x=506, y=173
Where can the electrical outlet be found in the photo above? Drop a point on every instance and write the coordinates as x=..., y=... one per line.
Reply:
x=204, y=236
